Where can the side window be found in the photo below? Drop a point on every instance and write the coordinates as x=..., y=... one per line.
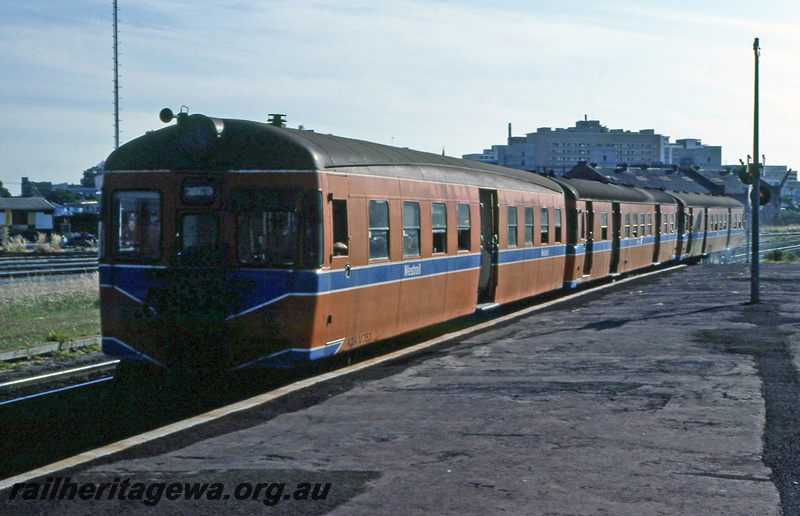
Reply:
x=378, y=230
x=557, y=222
x=512, y=226
x=635, y=225
x=545, y=226
x=439, y=227
x=410, y=229
x=672, y=223
x=528, y=226
x=462, y=213
x=649, y=223
x=341, y=237
x=627, y=225
x=604, y=226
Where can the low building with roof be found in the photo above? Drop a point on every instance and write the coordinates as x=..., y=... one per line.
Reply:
x=25, y=215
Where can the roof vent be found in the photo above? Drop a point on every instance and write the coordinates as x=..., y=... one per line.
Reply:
x=277, y=120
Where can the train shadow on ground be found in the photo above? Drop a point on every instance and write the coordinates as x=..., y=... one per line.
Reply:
x=139, y=399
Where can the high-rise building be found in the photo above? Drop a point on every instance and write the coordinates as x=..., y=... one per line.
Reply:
x=690, y=151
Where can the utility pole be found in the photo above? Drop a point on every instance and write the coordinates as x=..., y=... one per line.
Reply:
x=755, y=194
x=116, y=80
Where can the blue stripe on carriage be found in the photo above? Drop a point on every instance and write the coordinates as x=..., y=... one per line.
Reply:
x=255, y=288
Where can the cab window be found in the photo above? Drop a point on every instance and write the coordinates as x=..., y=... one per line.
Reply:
x=268, y=226
x=136, y=225
x=199, y=232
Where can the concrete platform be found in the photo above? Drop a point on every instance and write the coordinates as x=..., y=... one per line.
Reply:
x=660, y=396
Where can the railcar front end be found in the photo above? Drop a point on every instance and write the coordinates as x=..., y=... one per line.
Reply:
x=211, y=269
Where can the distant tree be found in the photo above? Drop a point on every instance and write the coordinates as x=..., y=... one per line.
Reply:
x=61, y=196
x=90, y=173
x=4, y=191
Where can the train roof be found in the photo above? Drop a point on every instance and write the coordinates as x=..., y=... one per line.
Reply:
x=200, y=142
x=706, y=201
x=585, y=189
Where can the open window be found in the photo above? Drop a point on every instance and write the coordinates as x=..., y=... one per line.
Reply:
x=557, y=223
x=545, y=226
x=463, y=227
x=341, y=236
x=439, y=227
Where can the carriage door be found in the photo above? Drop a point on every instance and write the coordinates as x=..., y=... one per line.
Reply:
x=705, y=227
x=685, y=230
x=728, y=229
x=489, y=237
x=340, y=210
x=616, y=231
x=657, y=235
x=589, y=229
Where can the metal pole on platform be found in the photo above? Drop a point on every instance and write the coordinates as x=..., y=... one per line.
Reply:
x=116, y=79
x=756, y=190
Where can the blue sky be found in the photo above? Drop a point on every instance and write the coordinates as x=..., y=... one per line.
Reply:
x=424, y=74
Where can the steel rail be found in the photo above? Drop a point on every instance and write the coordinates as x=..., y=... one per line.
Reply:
x=58, y=375
x=44, y=265
x=38, y=394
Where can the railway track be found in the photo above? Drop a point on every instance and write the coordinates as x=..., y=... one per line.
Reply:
x=769, y=242
x=17, y=265
x=42, y=385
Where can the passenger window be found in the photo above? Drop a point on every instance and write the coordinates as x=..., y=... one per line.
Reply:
x=341, y=237
x=512, y=226
x=136, y=225
x=378, y=230
x=635, y=225
x=627, y=225
x=410, y=229
x=604, y=226
x=545, y=226
x=528, y=226
x=672, y=223
x=462, y=213
x=439, y=227
x=649, y=223
x=557, y=222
